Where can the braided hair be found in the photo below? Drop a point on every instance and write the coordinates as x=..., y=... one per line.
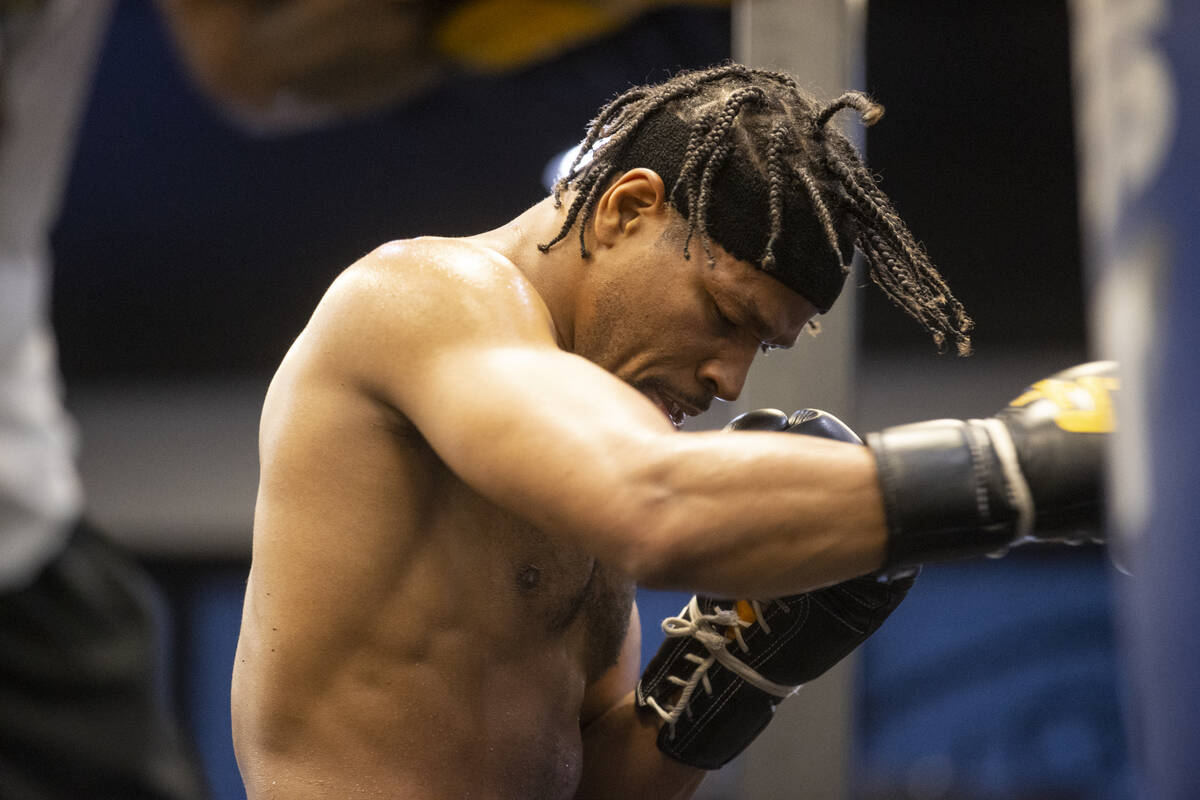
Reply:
x=737, y=147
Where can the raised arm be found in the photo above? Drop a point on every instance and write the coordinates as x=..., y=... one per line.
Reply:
x=455, y=339
x=298, y=61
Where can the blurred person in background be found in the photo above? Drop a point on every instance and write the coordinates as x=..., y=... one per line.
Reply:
x=84, y=708
x=84, y=711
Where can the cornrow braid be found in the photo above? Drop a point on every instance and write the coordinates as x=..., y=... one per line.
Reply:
x=738, y=147
x=819, y=207
x=716, y=147
x=587, y=189
x=606, y=114
x=616, y=123
x=691, y=162
x=896, y=263
x=870, y=111
x=775, y=172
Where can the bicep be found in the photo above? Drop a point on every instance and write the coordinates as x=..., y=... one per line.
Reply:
x=535, y=429
x=471, y=361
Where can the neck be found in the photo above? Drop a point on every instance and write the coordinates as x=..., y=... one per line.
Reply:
x=555, y=274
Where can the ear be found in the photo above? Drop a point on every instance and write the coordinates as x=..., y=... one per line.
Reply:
x=631, y=201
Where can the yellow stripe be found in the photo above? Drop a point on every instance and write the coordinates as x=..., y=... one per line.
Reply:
x=1084, y=404
x=500, y=35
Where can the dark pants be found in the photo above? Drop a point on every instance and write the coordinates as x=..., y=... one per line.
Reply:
x=81, y=710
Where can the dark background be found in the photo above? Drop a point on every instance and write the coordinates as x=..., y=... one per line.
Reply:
x=189, y=248
x=198, y=249
x=976, y=150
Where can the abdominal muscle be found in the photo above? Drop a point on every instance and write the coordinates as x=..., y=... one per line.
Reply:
x=379, y=727
x=388, y=648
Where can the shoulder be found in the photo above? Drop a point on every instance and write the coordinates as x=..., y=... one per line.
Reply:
x=449, y=288
x=406, y=304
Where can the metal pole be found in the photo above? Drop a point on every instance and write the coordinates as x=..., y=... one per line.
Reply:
x=809, y=742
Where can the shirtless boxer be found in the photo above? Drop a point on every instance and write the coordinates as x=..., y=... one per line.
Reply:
x=468, y=463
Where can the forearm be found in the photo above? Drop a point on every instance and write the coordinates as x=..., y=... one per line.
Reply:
x=749, y=514
x=951, y=489
x=338, y=56
x=760, y=515
x=621, y=759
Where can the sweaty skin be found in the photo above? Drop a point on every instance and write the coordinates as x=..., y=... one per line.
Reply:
x=460, y=486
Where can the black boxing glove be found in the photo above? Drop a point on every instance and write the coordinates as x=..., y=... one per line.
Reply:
x=1034, y=472
x=725, y=665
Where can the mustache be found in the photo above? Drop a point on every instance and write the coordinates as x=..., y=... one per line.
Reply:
x=664, y=389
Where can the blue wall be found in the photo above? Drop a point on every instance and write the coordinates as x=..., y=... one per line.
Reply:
x=997, y=679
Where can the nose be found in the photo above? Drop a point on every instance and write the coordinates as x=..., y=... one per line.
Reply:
x=724, y=375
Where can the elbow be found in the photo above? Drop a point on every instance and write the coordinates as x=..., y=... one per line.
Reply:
x=648, y=543
x=213, y=43
x=231, y=78
x=226, y=60
x=640, y=519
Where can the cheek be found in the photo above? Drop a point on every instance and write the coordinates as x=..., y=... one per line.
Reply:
x=636, y=330
x=635, y=346
x=604, y=328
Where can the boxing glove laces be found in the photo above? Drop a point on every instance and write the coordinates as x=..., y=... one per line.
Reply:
x=726, y=664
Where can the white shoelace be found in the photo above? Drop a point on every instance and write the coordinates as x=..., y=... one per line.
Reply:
x=710, y=631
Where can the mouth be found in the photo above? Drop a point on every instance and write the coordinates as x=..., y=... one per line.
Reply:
x=675, y=411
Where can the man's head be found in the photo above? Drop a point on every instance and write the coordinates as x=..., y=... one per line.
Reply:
x=751, y=162
x=683, y=331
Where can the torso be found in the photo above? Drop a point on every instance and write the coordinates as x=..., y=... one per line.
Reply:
x=402, y=635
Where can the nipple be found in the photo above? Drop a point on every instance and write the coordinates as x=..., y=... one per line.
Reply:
x=529, y=578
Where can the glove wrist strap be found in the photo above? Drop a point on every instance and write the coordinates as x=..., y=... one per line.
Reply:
x=951, y=489
x=1019, y=493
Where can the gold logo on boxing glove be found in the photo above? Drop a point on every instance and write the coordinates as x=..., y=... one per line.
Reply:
x=1084, y=404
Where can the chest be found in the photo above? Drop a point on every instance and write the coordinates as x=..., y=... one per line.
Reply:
x=567, y=593
x=556, y=589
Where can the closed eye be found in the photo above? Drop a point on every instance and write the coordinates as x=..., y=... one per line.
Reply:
x=719, y=316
